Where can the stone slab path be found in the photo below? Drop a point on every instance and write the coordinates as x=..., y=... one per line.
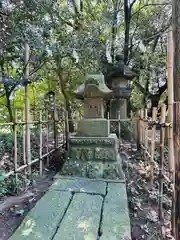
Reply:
x=78, y=209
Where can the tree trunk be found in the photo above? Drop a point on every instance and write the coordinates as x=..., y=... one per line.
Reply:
x=176, y=31
x=67, y=102
x=127, y=19
x=8, y=101
x=114, y=31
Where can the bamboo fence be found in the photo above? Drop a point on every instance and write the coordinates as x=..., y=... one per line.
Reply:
x=49, y=140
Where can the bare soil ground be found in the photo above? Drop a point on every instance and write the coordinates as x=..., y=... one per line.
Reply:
x=143, y=202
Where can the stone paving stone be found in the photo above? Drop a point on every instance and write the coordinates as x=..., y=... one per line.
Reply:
x=115, y=222
x=42, y=221
x=82, y=218
x=79, y=185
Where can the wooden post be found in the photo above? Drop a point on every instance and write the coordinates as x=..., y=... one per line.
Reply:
x=161, y=164
x=141, y=126
x=15, y=147
x=119, y=124
x=40, y=144
x=145, y=134
x=24, y=140
x=67, y=131
x=47, y=137
x=27, y=110
x=55, y=127
x=153, y=139
x=108, y=122
x=170, y=54
x=138, y=132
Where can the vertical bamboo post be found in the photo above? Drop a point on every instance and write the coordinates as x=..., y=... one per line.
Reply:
x=15, y=147
x=161, y=164
x=40, y=144
x=108, y=122
x=170, y=60
x=64, y=127
x=138, y=132
x=145, y=133
x=24, y=140
x=27, y=109
x=153, y=139
x=47, y=137
x=54, y=126
x=141, y=126
x=170, y=51
x=119, y=124
x=67, y=131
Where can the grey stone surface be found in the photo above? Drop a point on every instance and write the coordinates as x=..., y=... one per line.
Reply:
x=113, y=170
x=93, y=127
x=79, y=185
x=115, y=222
x=81, y=221
x=42, y=221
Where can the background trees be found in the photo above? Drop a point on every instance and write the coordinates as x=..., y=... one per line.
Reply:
x=68, y=39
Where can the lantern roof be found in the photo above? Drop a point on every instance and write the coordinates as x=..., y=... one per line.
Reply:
x=93, y=87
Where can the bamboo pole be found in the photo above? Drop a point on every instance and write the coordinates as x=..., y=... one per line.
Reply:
x=15, y=147
x=67, y=131
x=141, y=126
x=153, y=138
x=40, y=144
x=170, y=54
x=119, y=125
x=47, y=138
x=161, y=164
x=27, y=110
x=145, y=133
x=24, y=141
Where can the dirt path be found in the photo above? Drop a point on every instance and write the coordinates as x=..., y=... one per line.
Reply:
x=143, y=203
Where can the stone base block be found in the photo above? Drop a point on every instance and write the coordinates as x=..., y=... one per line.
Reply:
x=93, y=127
x=94, y=169
x=93, y=148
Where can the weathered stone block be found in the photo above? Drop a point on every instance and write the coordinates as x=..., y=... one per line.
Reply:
x=82, y=218
x=93, y=127
x=93, y=154
x=42, y=221
x=94, y=141
x=79, y=185
x=113, y=170
x=115, y=222
x=95, y=169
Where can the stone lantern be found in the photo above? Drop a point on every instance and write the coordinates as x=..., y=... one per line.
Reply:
x=118, y=79
x=93, y=151
x=94, y=93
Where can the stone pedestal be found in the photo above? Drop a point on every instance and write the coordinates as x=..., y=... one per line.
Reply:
x=94, y=158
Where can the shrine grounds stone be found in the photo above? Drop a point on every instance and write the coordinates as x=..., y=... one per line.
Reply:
x=79, y=185
x=82, y=219
x=42, y=221
x=78, y=209
x=115, y=221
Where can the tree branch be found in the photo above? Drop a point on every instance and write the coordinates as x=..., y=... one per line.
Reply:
x=151, y=4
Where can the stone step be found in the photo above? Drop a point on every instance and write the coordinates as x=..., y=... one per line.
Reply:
x=77, y=185
x=82, y=218
x=42, y=221
x=78, y=209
